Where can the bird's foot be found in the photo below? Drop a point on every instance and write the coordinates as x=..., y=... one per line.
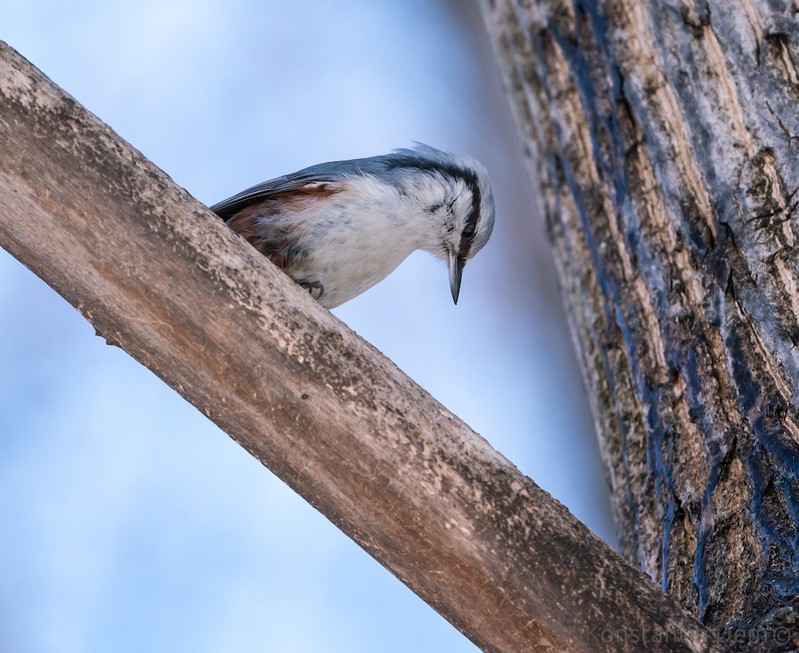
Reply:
x=312, y=287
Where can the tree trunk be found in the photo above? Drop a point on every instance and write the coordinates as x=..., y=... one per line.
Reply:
x=664, y=135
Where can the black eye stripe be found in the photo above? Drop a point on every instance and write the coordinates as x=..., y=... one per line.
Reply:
x=474, y=215
x=469, y=177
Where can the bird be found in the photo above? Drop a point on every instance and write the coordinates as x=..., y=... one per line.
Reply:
x=338, y=228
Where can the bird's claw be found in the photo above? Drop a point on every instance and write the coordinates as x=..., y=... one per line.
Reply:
x=312, y=286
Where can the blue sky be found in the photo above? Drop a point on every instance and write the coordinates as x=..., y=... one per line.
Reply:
x=129, y=521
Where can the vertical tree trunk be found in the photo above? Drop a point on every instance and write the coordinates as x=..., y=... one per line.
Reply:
x=664, y=136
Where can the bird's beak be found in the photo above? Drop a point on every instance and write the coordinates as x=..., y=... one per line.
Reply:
x=456, y=264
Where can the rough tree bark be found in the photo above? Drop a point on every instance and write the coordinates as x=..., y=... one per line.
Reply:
x=664, y=136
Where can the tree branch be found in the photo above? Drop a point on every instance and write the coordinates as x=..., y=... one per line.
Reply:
x=160, y=276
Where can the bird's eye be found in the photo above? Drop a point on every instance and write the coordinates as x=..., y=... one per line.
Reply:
x=468, y=232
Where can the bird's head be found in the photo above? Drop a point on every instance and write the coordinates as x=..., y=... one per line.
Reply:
x=455, y=198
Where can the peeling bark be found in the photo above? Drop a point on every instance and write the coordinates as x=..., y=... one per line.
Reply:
x=664, y=137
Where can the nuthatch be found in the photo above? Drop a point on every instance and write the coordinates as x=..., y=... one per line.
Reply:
x=338, y=228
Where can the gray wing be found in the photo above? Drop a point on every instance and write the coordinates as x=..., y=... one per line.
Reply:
x=387, y=167
x=323, y=176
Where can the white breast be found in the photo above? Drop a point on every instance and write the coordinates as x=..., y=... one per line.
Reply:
x=358, y=236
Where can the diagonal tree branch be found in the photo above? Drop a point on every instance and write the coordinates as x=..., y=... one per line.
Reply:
x=160, y=276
